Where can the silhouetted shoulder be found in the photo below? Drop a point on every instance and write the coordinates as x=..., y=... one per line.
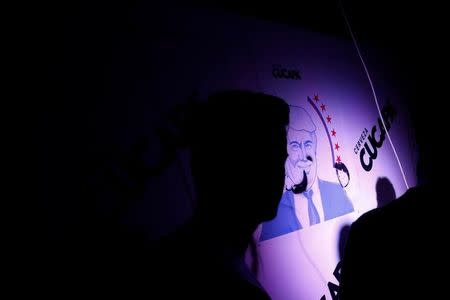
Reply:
x=412, y=202
x=391, y=248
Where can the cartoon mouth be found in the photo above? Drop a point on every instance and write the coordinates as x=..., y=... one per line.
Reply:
x=307, y=169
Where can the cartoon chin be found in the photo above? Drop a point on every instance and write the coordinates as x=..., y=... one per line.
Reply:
x=307, y=170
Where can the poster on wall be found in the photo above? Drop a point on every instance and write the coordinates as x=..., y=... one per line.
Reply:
x=338, y=141
x=345, y=157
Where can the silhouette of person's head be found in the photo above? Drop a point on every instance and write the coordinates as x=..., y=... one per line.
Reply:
x=238, y=152
x=385, y=191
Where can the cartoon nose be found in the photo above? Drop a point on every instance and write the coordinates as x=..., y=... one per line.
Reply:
x=302, y=154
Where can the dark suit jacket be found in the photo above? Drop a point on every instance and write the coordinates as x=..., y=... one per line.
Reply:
x=335, y=203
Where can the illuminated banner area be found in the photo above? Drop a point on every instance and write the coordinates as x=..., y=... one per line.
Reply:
x=348, y=172
x=336, y=137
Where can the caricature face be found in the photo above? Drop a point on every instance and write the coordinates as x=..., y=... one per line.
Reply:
x=301, y=148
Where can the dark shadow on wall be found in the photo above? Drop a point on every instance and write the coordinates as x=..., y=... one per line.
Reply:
x=343, y=235
x=385, y=191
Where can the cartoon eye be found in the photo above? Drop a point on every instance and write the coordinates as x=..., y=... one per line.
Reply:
x=295, y=146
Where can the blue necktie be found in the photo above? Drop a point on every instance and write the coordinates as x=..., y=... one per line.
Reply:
x=312, y=211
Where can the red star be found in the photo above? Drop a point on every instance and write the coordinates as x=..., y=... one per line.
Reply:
x=336, y=146
x=338, y=159
x=322, y=107
x=316, y=98
x=333, y=132
x=329, y=119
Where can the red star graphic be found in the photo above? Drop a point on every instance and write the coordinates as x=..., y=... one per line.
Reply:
x=316, y=98
x=333, y=132
x=329, y=119
x=322, y=107
x=336, y=146
x=338, y=159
